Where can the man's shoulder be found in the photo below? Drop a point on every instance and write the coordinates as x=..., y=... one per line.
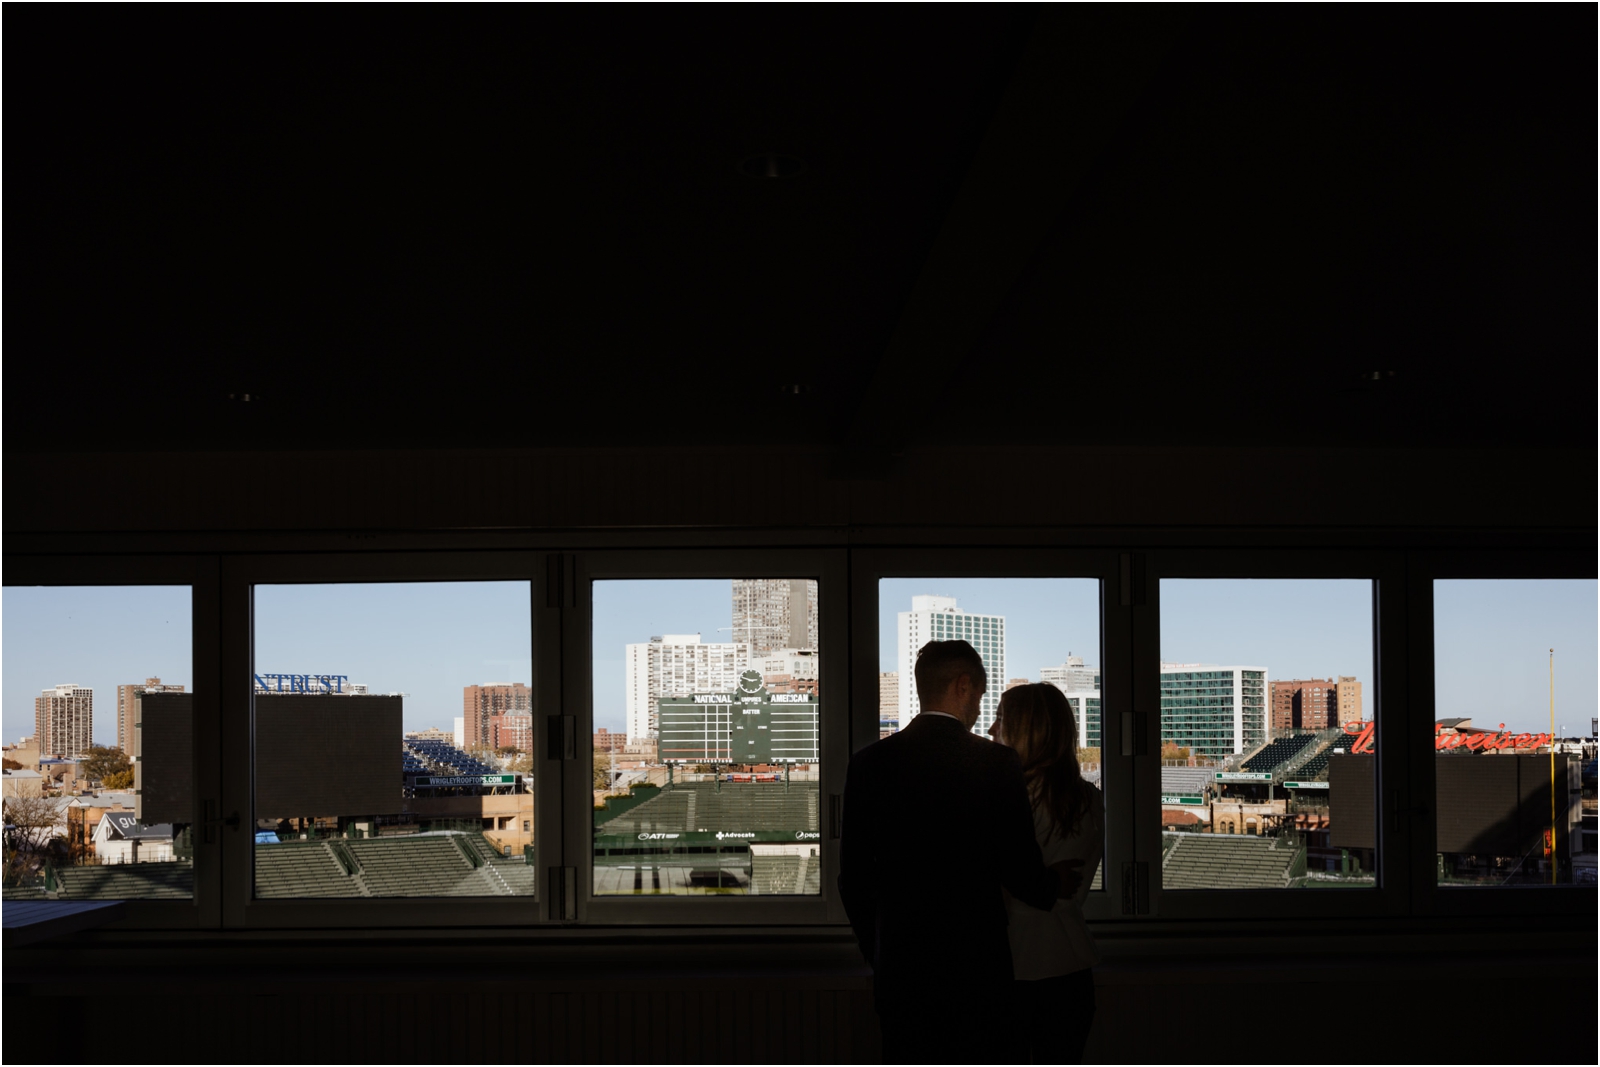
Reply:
x=882, y=749
x=940, y=738
x=993, y=753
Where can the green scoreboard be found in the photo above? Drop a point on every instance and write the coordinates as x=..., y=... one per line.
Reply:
x=749, y=725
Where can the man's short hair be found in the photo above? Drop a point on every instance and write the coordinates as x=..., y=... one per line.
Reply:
x=940, y=663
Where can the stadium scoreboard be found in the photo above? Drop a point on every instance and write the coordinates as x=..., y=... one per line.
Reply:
x=749, y=725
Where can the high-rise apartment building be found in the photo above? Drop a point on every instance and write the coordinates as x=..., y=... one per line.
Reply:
x=1072, y=676
x=63, y=720
x=675, y=665
x=125, y=716
x=1081, y=684
x=888, y=702
x=797, y=663
x=1086, y=710
x=939, y=618
x=1213, y=710
x=1348, y=700
x=775, y=613
x=1303, y=704
x=512, y=729
x=1315, y=703
x=480, y=703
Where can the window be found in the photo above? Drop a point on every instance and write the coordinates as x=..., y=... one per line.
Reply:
x=1214, y=650
x=393, y=740
x=99, y=786
x=1514, y=733
x=1040, y=631
x=1268, y=734
x=718, y=788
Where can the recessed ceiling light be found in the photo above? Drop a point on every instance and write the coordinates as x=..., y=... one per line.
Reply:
x=770, y=165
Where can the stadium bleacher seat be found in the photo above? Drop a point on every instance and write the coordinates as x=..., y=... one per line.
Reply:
x=1228, y=861
x=417, y=865
x=441, y=757
x=738, y=806
x=126, y=881
x=1315, y=767
x=1277, y=752
x=1186, y=779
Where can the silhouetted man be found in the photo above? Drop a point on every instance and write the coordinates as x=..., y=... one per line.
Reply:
x=936, y=821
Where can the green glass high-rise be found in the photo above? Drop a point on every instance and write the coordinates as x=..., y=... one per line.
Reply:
x=1213, y=710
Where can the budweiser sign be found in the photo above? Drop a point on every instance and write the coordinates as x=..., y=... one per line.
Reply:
x=1472, y=739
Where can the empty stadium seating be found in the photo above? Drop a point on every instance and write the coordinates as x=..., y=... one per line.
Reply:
x=1227, y=861
x=1186, y=779
x=441, y=757
x=1315, y=767
x=417, y=865
x=741, y=806
x=776, y=874
x=1277, y=752
x=125, y=881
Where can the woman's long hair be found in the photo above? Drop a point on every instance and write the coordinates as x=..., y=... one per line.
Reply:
x=1037, y=721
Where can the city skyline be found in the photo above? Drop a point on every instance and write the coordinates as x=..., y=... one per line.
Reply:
x=432, y=639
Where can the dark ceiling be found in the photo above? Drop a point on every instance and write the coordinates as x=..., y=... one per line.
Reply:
x=497, y=227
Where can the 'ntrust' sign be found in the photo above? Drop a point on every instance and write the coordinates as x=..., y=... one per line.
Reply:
x=301, y=683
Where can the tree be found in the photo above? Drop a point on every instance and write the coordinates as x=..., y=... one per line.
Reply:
x=31, y=824
x=11, y=764
x=101, y=760
x=119, y=780
x=1172, y=750
x=602, y=769
x=508, y=750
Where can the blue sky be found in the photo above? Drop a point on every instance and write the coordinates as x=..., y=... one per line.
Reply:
x=1492, y=642
x=1045, y=617
x=430, y=639
x=627, y=612
x=425, y=639
x=98, y=636
x=1296, y=628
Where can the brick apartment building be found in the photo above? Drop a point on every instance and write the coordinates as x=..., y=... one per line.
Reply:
x=1315, y=703
x=126, y=694
x=513, y=729
x=480, y=703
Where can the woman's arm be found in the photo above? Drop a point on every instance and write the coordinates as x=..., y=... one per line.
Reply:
x=1093, y=833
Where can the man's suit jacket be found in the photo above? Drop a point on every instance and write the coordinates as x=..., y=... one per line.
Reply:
x=936, y=821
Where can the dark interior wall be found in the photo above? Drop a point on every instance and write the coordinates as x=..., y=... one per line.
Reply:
x=1262, y=489
x=1359, y=998
x=1147, y=275
x=1365, y=992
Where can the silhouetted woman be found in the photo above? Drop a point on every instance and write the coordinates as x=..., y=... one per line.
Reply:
x=1052, y=953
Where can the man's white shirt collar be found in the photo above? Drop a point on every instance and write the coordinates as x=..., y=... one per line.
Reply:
x=946, y=714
